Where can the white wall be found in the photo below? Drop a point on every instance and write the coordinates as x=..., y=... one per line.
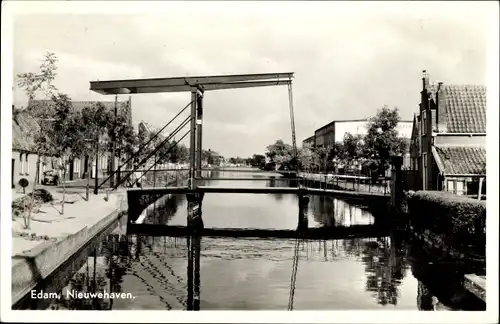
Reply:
x=353, y=127
x=404, y=129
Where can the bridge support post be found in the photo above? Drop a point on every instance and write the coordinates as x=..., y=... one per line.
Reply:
x=303, y=206
x=192, y=144
x=199, y=129
x=396, y=183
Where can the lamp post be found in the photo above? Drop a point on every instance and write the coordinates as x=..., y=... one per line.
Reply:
x=89, y=169
x=96, y=165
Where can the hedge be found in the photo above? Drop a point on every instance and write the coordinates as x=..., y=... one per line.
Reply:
x=461, y=221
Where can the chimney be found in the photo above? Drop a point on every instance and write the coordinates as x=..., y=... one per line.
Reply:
x=425, y=80
x=441, y=108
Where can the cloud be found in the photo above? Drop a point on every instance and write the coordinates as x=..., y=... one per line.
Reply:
x=348, y=59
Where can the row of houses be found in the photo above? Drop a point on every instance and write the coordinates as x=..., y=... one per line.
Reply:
x=27, y=122
x=448, y=142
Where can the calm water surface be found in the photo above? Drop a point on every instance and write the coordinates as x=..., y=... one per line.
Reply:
x=256, y=274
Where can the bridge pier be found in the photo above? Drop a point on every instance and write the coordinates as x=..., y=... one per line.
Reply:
x=303, y=206
x=194, y=218
x=396, y=183
x=194, y=221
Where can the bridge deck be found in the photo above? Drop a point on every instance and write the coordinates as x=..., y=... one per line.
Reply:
x=259, y=190
x=361, y=231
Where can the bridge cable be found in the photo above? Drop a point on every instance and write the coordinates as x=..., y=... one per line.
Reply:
x=165, y=141
x=292, y=125
x=161, y=156
x=294, y=274
x=146, y=144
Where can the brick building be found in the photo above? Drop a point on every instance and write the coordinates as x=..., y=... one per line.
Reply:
x=448, y=144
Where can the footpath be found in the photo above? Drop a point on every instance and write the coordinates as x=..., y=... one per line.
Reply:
x=53, y=237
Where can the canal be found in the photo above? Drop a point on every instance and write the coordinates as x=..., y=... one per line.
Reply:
x=385, y=273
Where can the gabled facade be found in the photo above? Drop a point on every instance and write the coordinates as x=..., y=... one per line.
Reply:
x=448, y=145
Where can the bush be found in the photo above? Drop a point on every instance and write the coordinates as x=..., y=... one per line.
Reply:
x=40, y=196
x=461, y=221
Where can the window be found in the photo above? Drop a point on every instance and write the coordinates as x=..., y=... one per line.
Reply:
x=460, y=188
x=76, y=166
x=27, y=164
x=424, y=171
x=424, y=123
x=451, y=186
x=22, y=164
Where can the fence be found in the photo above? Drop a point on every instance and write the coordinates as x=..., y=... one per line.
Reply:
x=348, y=183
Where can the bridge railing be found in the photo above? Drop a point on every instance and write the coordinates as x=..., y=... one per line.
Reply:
x=347, y=182
x=156, y=178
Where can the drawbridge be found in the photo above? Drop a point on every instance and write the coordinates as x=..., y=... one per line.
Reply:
x=139, y=199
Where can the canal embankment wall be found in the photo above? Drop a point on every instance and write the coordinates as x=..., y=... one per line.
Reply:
x=451, y=225
x=33, y=265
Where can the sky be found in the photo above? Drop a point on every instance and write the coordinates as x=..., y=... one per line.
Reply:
x=348, y=59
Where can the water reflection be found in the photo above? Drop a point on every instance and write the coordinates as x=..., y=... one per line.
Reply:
x=164, y=209
x=385, y=268
x=165, y=273
x=329, y=211
x=208, y=273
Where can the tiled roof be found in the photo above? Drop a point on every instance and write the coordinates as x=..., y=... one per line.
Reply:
x=461, y=160
x=23, y=128
x=465, y=107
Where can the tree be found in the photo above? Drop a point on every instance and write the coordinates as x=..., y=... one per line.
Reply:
x=125, y=136
x=92, y=124
x=179, y=153
x=320, y=157
x=32, y=83
x=208, y=156
x=382, y=139
x=282, y=154
x=63, y=135
x=258, y=160
x=352, y=148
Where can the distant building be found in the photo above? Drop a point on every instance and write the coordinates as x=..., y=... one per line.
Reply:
x=309, y=142
x=448, y=144
x=325, y=135
x=336, y=130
